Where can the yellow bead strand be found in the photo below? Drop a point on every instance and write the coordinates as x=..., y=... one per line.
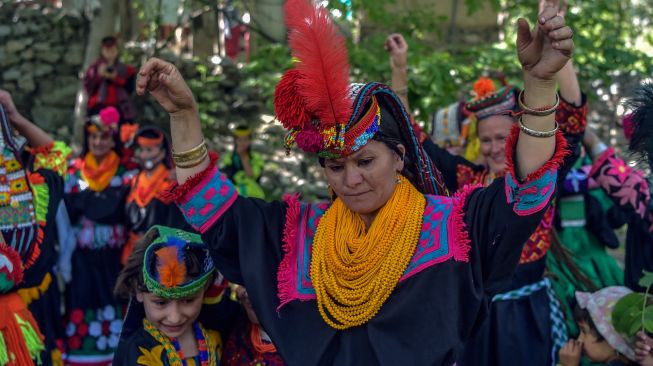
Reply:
x=354, y=271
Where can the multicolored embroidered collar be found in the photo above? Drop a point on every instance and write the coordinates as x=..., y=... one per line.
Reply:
x=168, y=260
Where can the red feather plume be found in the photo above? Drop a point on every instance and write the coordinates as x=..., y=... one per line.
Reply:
x=323, y=62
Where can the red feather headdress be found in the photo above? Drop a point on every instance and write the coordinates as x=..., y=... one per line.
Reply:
x=312, y=100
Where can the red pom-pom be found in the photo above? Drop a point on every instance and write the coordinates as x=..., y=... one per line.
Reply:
x=289, y=105
x=10, y=265
x=310, y=140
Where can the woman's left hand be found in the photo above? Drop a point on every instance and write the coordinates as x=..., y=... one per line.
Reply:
x=545, y=49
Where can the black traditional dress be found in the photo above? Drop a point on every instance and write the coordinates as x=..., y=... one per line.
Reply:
x=630, y=191
x=141, y=348
x=523, y=327
x=468, y=249
x=94, y=315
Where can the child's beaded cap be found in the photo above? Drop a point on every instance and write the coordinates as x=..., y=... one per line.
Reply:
x=170, y=258
x=20, y=233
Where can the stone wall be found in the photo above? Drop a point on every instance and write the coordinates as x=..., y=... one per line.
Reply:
x=41, y=56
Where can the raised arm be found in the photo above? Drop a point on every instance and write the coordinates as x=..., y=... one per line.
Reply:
x=35, y=136
x=542, y=51
x=397, y=48
x=167, y=86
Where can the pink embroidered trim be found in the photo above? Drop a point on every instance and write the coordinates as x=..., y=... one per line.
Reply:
x=178, y=192
x=227, y=205
x=287, y=271
x=461, y=243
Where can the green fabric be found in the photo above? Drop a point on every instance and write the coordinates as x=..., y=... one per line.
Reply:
x=248, y=186
x=5, y=283
x=41, y=201
x=32, y=340
x=591, y=257
x=4, y=356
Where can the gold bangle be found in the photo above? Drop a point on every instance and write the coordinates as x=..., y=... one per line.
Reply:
x=190, y=154
x=191, y=159
x=535, y=133
x=541, y=112
x=186, y=164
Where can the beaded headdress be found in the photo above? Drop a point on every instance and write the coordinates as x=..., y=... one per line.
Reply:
x=488, y=101
x=169, y=260
x=21, y=234
x=325, y=114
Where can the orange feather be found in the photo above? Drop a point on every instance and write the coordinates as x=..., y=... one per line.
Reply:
x=172, y=272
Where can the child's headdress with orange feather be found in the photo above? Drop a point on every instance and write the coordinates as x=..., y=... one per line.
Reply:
x=167, y=260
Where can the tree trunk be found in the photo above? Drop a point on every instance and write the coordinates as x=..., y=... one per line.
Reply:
x=102, y=25
x=267, y=17
x=204, y=29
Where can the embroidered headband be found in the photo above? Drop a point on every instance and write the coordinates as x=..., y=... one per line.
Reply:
x=177, y=264
x=242, y=131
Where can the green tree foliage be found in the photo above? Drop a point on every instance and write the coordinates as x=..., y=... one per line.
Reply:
x=614, y=42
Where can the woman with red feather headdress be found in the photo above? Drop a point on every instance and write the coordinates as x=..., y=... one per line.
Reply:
x=392, y=271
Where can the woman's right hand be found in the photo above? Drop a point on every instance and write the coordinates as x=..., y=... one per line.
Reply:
x=167, y=86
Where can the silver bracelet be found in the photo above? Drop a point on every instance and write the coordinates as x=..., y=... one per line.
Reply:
x=535, y=133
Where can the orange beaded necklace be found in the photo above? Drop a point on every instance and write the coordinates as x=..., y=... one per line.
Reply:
x=354, y=271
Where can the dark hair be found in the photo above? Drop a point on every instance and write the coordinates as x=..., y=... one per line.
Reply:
x=130, y=279
x=583, y=316
x=109, y=41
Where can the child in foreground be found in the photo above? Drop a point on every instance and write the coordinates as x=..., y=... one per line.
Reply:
x=166, y=278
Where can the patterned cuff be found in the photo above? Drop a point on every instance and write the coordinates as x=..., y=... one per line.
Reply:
x=52, y=156
x=624, y=184
x=533, y=194
x=572, y=119
x=205, y=197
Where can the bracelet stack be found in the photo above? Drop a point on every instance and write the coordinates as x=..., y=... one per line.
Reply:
x=539, y=112
x=191, y=158
x=535, y=133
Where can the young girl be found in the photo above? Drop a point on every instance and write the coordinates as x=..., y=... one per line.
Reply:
x=166, y=278
x=598, y=339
